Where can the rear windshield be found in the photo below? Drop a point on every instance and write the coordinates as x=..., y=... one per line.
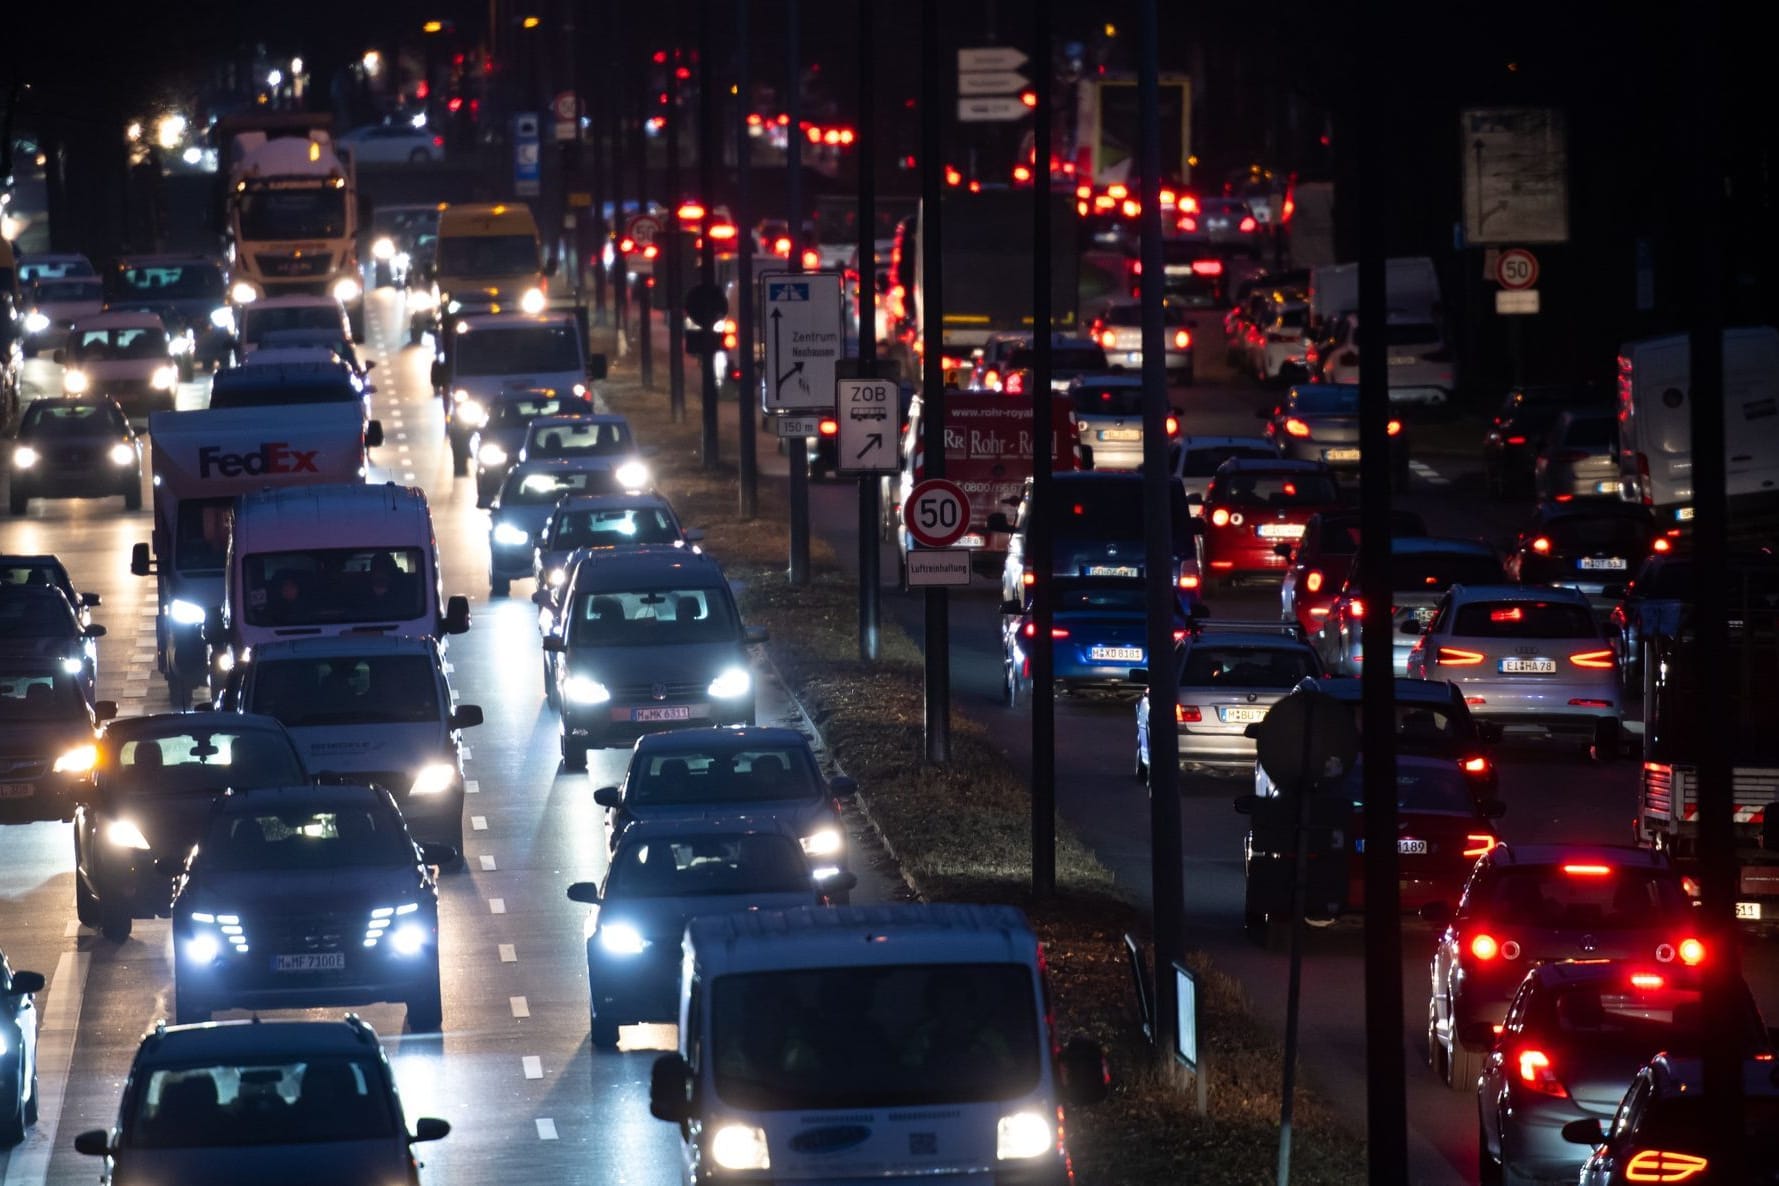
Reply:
x=538, y=348
x=107, y=345
x=1437, y=572
x=1592, y=434
x=1132, y=315
x=200, y=760
x=1277, y=490
x=1619, y=1013
x=612, y=528
x=1524, y=619
x=1108, y=401
x=1615, y=535
x=261, y=1102
x=1202, y=463
x=1115, y=511
x=1246, y=667
x=1325, y=400
x=700, y=866
x=1126, y=598
x=1581, y=896
x=274, y=394
x=1680, y=1123
x=690, y=776
x=564, y=440
x=336, y=838
x=1439, y=790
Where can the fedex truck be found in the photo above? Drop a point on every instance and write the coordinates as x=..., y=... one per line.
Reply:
x=202, y=462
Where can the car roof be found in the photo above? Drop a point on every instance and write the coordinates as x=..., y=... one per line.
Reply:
x=727, y=738
x=1433, y=545
x=885, y=934
x=369, y=642
x=172, y=724
x=172, y=1044
x=118, y=319
x=1406, y=690
x=476, y=321
x=1281, y=465
x=569, y=419
x=304, y=797
x=1463, y=594
x=293, y=357
x=650, y=564
x=1558, y=854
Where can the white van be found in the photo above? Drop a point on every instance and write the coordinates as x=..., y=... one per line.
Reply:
x=892, y=1043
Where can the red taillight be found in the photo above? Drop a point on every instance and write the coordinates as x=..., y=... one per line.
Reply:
x=1219, y=517
x=1477, y=844
x=438, y=141
x=1182, y=339
x=1646, y=980
x=1188, y=581
x=1663, y=1165
x=1248, y=226
x=1028, y=579
x=1661, y=545
x=1475, y=765
x=1186, y=714
x=1030, y=630
x=1109, y=340
x=1537, y=1075
x=828, y=427
x=1457, y=657
x=812, y=260
x=1356, y=608
x=1187, y=224
x=1598, y=660
x=1484, y=947
x=991, y=379
x=1179, y=636
x=1313, y=581
x=1541, y=546
x=1207, y=267
x=1516, y=440
x=1296, y=427
x=1588, y=870
x=1691, y=952
x=1173, y=426
x=1393, y=428
x=1015, y=384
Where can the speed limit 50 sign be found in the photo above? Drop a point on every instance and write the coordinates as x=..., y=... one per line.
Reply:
x=1516, y=269
x=937, y=513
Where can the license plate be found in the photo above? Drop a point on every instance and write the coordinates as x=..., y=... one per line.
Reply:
x=1116, y=654
x=18, y=790
x=1133, y=356
x=1403, y=360
x=1340, y=455
x=1243, y=715
x=1121, y=434
x=1111, y=570
x=1528, y=666
x=673, y=712
x=1424, y=614
x=310, y=961
x=1411, y=847
x=1279, y=531
x=1596, y=563
x=1749, y=911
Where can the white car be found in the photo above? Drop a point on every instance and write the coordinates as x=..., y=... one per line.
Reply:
x=127, y=356
x=1419, y=358
x=1276, y=340
x=273, y=315
x=392, y=144
x=55, y=304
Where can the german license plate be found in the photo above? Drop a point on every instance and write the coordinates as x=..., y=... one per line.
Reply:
x=672, y=712
x=1280, y=531
x=310, y=961
x=18, y=790
x=1606, y=563
x=1528, y=666
x=1411, y=847
x=1340, y=455
x=1111, y=570
x=1403, y=360
x=1748, y=911
x=1243, y=714
x=1424, y=614
x=1133, y=356
x=1116, y=654
x=1121, y=434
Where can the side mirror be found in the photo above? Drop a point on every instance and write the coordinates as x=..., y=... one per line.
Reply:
x=105, y=710
x=94, y=632
x=555, y=644
x=437, y=854
x=1490, y=731
x=91, y=600
x=753, y=634
x=584, y=892
x=843, y=786
x=373, y=434
x=24, y=982
x=440, y=373
x=1437, y=913
x=457, y=615
x=140, y=565
x=94, y=1142
x=998, y=521
x=609, y=797
x=596, y=367
x=1477, y=1033
x=467, y=716
x=670, y=1089
x=430, y=1128
x=692, y=535
x=1412, y=626
x=1012, y=607
x=1493, y=809
x=1584, y=1132
x=1082, y=1066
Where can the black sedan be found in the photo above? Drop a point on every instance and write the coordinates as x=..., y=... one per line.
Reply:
x=18, y=1052
x=75, y=447
x=1517, y=430
x=44, y=569
x=1320, y=422
x=39, y=622
x=1591, y=544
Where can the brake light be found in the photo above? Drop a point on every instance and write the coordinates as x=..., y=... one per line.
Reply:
x=1662, y=1165
x=1179, y=636
x=1207, y=267
x=1484, y=947
x=828, y=427
x=1597, y=660
x=1478, y=844
x=812, y=259
x=1186, y=714
x=1536, y=1074
x=1692, y=952
x=1028, y=579
x=1172, y=424
x=1188, y=580
x=1187, y=224
x=1219, y=517
x=1541, y=545
x=1313, y=581
x=1661, y=545
x=1015, y=384
x=991, y=379
x=1646, y=980
x=1356, y=608
x=1511, y=614
x=1588, y=870
x=1247, y=225
x=1108, y=339
x=1516, y=440
x=1030, y=630
x=1457, y=657
x=1182, y=339
x=1393, y=428
x=1296, y=427
x=1475, y=765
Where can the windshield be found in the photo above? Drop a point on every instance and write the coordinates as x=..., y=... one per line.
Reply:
x=1437, y=790
x=566, y=439
x=875, y=1037
x=169, y=282
x=1682, y=1123
x=1278, y=490
x=514, y=412
x=704, y=865
x=1421, y=727
x=52, y=418
x=1108, y=401
x=25, y=572
x=200, y=760
x=1436, y=572
x=257, y=320
x=1074, y=360
x=529, y=488
x=685, y=776
x=658, y=617
x=337, y=838
x=545, y=349
x=1203, y=462
x=39, y=696
x=67, y=290
x=306, y=212
x=381, y=689
x=1329, y=400
x=1132, y=315
x=45, y=267
x=493, y=256
x=330, y=586
x=612, y=528
x=37, y=617
x=1115, y=511
x=1524, y=619
x=260, y=1103
x=201, y=537
x=110, y=344
x=272, y=393
x=1583, y=896
x=1217, y=667
x=1621, y=1013
x=1614, y=535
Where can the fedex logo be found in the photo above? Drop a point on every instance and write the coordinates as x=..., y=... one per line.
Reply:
x=273, y=457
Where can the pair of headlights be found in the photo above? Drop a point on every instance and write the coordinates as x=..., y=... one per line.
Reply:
x=732, y=684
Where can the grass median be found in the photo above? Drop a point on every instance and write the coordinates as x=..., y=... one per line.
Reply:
x=962, y=833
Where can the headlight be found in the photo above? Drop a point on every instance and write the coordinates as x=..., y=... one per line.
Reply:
x=384, y=248
x=533, y=301
x=35, y=322
x=125, y=834
x=454, y=307
x=347, y=290
x=164, y=378
x=24, y=457
x=421, y=299
x=620, y=938
x=74, y=382
x=223, y=319
x=508, y=536
x=491, y=455
x=557, y=576
x=408, y=939
x=73, y=666
x=740, y=1147
x=469, y=411
x=1023, y=1135
x=434, y=779
x=824, y=842
x=633, y=475
x=582, y=690
x=243, y=293
x=203, y=948
x=121, y=455
x=78, y=760
x=732, y=683
x=186, y=613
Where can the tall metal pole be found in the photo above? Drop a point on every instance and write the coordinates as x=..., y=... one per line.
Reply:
x=747, y=416
x=709, y=147
x=1043, y=445
x=796, y=447
x=670, y=239
x=865, y=145
x=616, y=81
x=937, y=643
x=1167, y=857
x=1386, y=1104
x=600, y=231
x=639, y=163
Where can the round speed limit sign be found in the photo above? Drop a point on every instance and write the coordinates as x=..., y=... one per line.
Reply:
x=937, y=513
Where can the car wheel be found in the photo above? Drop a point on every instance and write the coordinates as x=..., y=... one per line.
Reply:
x=1488, y=1166
x=86, y=906
x=426, y=1008
x=187, y=1009
x=115, y=922
x=1435, y=1051
x=1140, y=767
x=604, y=1034
x=499, y=586
x=574, y=753
x=1463, y=1067
x=133, y=496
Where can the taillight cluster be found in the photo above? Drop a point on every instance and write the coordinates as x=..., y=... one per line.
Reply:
x=1486, y=948
x=1537, y=1073
x=1663, y=1165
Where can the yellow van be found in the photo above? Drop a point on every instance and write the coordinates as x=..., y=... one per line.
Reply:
x=490, y=254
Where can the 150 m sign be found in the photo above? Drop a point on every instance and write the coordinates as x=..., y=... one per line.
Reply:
x=937, y=513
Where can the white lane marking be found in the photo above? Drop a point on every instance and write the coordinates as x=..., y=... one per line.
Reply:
x=533, y=1066
x=1427, y=473
x=55, y=1052
x=497, y=905
x=478, y=823
x=508, y=953
x=448, y=667
x=468, y=753
x=408, y=477
x=71, y=930
x=472, y=786
x=546, y=1129
x=401, y=448
x=487, y=863
x=520, y=1006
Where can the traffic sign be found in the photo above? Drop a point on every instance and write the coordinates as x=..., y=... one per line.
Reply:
x=642, y=229
x=526, y=161
x=1305, y=738
x=804, y=339
x=798, y=426
x=990, y=57
x=1511, y=301
x=869, y=411
x=992, y=82
x=996, y=109
x=566, y=110
x=1516, y=269
x=937, y=566
x=937, y=514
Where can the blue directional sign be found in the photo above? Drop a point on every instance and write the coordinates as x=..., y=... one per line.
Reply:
x=803, y=335
x=527, y=164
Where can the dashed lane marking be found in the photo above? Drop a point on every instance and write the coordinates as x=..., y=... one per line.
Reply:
x=546, y=1129
x=533, y=1066
x=497, y=905
x=487, y=863
x=520, y=1006
x=472, y=786
x=1427, y=473
x=508, y=954
x=478, y=823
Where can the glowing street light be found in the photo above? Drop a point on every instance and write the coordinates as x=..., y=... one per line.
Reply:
x=274, y=77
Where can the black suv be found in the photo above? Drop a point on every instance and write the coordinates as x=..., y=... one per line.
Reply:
x=303, y=896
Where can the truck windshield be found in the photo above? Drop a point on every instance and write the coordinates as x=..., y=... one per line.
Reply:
x=332, y=586
x=344, y=690
x=201, y=536
x=169, y=282
x=309, y=212
x=541, y=349
x=875, y=1037
x=487, y=255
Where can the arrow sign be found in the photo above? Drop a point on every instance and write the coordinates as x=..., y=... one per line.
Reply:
x=991, y=110
x=992, y=82
x=873, y=443
x=991, y=57
x=869, y=412
x=803, y=338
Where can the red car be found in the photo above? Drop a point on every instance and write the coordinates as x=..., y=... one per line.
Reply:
x=1319, y=562
x=1251, y=507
